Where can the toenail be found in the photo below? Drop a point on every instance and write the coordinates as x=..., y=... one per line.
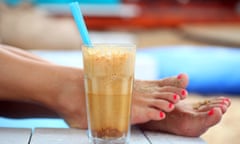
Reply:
x=227, y=99
x=179, y=76
x=161, y=114
x=170, y=105
x=175, y=96
x=184, y=92
x=211, y=112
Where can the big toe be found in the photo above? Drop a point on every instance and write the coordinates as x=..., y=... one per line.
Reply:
x=212, y=117
x=204, y=121
x=180, y=81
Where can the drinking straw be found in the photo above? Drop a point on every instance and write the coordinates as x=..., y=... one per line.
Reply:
x=78, y=17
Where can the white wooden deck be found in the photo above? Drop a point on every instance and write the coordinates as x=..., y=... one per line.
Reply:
x=77, y=136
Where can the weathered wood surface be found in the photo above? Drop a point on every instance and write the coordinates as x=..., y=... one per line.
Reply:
x=15, y=135
x=75, y=136
x=78, y=136
x=164, y=138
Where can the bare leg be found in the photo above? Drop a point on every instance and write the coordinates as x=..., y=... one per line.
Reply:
x=23, y=54
x=24, y=78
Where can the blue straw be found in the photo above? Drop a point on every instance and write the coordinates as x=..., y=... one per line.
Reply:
x=78, y=17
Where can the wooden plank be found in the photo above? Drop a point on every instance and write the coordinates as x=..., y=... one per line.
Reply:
x=59, y=136
x=137, y=137
x=75, y=136
x=164, y=138
x=15, y=135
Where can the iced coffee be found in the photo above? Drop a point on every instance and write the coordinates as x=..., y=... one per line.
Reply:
x=109, y=74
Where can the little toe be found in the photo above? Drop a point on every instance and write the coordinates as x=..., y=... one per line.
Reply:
x=154, y=114
x=228, y=100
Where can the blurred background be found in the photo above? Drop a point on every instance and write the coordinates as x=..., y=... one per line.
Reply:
x=198, y=37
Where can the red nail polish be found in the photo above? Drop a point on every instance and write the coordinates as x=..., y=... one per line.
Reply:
x=161, y=114
x=227, y=99
x=179, y=76
x=170, y=105
x=183, y=92
x=175, y=96
x=211, y=112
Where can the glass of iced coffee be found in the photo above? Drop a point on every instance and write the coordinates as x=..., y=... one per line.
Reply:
x=109, y=75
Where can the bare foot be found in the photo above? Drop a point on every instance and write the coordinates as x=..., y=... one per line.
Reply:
x=152, y=99
x=191, y=119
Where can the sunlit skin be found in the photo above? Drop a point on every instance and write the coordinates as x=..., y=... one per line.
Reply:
x=156, y=105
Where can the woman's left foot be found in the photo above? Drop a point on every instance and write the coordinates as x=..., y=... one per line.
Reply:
x=191, y=119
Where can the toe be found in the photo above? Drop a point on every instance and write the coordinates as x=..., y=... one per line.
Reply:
x=228, y=100
x=165, y=95
x=203, y=121
x=179, y=91
x=211, y=106
x=180, y=81
x=219, y=102
x=184, y=93
x=222, y=100
x=154, y=114
x=212, y=117
x=146, y=115
x=162, y=105
x=225, y=101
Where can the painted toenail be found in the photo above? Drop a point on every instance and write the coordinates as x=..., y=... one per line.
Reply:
x=161, y=114
x=175, y=96
x=179, y=76
x=184, y=92
x=170, y=105
x=227, y=99
x=211, y=112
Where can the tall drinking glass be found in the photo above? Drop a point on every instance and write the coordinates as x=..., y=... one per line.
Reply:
x=108, y=81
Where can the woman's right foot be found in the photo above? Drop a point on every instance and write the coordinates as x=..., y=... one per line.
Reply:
x=153, y=99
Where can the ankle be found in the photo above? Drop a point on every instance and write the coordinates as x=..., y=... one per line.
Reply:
x=71, y=89
x=62, y=89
